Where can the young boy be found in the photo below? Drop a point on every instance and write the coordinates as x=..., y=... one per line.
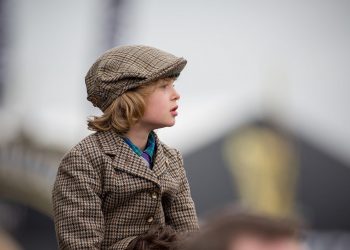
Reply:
x=120, y=181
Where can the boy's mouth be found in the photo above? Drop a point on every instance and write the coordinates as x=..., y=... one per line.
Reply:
x=174, y=109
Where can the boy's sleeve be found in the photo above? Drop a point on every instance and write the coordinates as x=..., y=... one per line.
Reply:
x=78, y=217
x=180, y=212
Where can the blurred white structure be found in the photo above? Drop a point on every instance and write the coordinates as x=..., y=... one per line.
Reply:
x=287, y=59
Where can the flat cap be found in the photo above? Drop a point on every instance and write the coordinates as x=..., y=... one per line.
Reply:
x=122, y=68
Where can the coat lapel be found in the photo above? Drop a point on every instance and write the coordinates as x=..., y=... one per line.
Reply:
x=126, y=160
x=160, y=162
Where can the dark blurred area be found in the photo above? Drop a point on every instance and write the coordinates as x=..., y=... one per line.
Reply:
x=25, y=228
x=320, y=184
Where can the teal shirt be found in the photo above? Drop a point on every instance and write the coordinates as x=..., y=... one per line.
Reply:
x=150, y=146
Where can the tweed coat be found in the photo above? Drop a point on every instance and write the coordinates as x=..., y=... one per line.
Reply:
x=104, y=195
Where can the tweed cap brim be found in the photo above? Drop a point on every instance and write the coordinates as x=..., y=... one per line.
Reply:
x=123, y=68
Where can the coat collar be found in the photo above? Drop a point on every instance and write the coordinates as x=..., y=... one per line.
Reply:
x=126, y=160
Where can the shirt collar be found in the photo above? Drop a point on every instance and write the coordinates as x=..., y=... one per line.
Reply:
x=150, y=146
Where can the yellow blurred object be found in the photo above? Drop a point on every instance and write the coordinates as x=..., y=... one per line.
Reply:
x=263, y=164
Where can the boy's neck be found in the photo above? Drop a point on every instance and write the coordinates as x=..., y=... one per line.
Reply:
x=138, y=136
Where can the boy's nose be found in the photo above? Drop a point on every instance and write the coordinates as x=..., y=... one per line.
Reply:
x=176, y=95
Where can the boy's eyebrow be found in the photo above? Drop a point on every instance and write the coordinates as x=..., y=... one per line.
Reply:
x=163, y=83
x=167, y=80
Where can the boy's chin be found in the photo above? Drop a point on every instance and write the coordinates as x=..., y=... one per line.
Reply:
x=170, y=124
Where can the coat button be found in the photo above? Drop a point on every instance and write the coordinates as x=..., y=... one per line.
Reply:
x=150, y=219
x=154, y=195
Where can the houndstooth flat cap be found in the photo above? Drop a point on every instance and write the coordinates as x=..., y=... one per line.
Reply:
x=122, y=68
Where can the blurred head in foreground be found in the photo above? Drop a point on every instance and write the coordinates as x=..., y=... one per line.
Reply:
x=247, y=231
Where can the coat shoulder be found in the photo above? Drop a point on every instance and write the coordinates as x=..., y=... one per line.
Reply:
x=172, y=154
x=88, y=147
x=167, y=149
x=88, y=144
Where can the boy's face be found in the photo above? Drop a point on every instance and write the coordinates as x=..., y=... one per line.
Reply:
x=161, y=106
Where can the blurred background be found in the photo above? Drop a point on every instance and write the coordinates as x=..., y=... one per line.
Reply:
x=263, y=116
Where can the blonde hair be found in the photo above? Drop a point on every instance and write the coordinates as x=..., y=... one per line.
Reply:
x=126, y=110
